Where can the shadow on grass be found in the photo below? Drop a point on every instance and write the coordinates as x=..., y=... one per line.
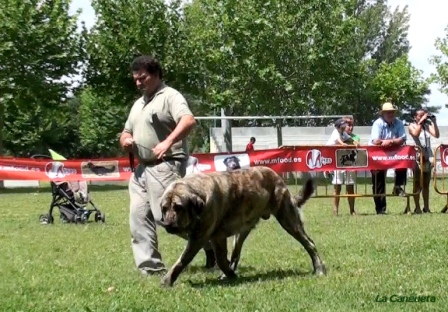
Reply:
x=47, y=189
x=197, y=268
x=277, y=274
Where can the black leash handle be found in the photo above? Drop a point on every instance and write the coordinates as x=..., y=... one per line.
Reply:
x=131, y=162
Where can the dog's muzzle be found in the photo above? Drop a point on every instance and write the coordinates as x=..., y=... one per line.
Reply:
x=170, y=227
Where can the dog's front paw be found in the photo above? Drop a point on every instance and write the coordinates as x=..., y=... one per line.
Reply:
x=166, y=282
x=320, y=270
x=232, y=276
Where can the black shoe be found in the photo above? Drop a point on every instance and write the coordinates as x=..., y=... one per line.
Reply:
x=210, y=259
x=398, y=191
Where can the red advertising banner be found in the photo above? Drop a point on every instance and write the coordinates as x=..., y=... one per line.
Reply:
x=444, y=155
x=294, y=158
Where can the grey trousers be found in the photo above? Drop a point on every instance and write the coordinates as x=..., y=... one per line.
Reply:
x=146, y=187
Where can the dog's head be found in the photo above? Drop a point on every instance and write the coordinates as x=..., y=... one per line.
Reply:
x=232, y=163
x=181, y=208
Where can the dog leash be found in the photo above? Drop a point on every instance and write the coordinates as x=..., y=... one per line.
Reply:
x=132, y=162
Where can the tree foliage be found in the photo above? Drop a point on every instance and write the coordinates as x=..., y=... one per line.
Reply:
x=441, y=63
x=246, y=57
x=39, y=47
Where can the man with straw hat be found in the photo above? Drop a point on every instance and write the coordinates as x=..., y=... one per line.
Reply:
x=387, y=131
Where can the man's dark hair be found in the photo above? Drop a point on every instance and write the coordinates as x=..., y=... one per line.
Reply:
x=252, y=139
x=147, y=63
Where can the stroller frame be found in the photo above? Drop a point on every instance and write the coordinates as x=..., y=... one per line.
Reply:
x=70, y=211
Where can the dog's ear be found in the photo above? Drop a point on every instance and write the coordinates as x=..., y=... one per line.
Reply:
x=225, y=161
x=195, y=205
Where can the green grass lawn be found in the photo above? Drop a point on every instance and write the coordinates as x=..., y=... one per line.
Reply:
x=90, y=267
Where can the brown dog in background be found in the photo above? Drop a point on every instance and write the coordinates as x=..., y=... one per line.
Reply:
x=218, y=205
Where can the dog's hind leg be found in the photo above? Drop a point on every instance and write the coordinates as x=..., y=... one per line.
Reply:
x=220, y=248
x=238, y=242
x=191, y=250
x=289, y=219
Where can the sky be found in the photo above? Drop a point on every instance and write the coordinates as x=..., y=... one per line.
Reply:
x=428, y=21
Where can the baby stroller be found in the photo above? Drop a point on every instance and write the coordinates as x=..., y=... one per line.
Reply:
x=72, y=198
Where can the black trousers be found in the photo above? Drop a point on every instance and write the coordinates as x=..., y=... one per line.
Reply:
x=379, y=186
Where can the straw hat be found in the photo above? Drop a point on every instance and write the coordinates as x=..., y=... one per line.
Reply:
x=388, y=107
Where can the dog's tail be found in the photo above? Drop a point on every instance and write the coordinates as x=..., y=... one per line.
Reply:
x=305, y=193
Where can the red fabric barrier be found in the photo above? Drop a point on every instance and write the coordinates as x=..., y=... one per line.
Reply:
x=298, y=158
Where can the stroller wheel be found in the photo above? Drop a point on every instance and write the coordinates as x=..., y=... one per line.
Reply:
x=46, y=219
x=84, y=218
x=63, y=218
x=100, y=217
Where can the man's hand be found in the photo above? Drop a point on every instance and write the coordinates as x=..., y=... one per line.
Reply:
x=423, y=119
x=160, y=149
x=126, y=142
x=377, y=142
x=386, y=143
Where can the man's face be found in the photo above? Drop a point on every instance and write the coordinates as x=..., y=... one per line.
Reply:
x=144, y=81
x=389, y=116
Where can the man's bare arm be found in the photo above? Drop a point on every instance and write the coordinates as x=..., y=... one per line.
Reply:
x=183, y=128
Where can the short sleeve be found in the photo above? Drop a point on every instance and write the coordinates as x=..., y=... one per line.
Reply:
x=335, y=135
x=375, y=133
x=178, y=107
x=128, y=126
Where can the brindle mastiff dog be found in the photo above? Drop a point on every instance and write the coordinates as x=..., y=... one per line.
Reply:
x=218, y=205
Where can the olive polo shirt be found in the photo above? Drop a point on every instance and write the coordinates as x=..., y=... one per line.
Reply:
x=151, y=121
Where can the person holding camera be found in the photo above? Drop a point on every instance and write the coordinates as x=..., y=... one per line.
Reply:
x=424, y=126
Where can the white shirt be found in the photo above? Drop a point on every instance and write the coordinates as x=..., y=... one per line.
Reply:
x=335, y=136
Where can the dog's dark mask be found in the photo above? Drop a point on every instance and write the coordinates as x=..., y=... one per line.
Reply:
x=181, y=216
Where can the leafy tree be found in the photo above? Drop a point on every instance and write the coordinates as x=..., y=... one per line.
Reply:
x=124, y=30
x=268, y=58
x=100, y=123
x=39, y=48
x=402, y=84
x=441, y=63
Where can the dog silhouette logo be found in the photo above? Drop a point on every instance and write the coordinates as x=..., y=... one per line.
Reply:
x=55, y=170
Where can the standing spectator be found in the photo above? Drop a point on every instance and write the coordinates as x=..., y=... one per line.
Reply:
x=421, y=130
x=387, y=131
x=155, y=131
x=250, y=145
x=355, y=140
x=339, y=177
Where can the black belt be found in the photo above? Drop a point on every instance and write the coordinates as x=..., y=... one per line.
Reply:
x=151, y=163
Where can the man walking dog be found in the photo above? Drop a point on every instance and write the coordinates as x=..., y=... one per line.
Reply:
x=155, y=132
